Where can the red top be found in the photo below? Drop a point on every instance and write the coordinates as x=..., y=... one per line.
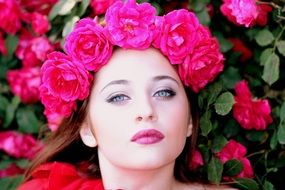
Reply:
x=59, y=176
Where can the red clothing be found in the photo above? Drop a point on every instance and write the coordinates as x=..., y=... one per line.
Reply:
x=59, y=176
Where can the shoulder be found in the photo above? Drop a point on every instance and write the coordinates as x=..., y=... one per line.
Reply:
x=200, y=186
x=58, y=175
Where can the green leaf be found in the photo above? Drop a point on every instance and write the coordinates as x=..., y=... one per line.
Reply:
x=11, y=183
x=225, y=44
x=264, y=37
x=282, y=112
x=83, y=6
x=214, y=90
x=27, y=120
x=231, y=128
x=257, y=136
x=230, y=77
x=281, y=133
x=22, y=163
x=198, y=5
x=10, y=112
x=232, y=167
x=268, y=186
x=3, y=104
x=271, y=69
x=265, y=55
x=215, y=170
x=205, y=123
x=246, y=184
x=62, y=7
x=218, y=143
x=281, y=47
x=68, y=27
x=204, y=17
x=11, y=43
x=224, y=103
x=273, y=141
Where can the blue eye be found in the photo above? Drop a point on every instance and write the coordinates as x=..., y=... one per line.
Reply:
x=166, y=93
x=118, y=98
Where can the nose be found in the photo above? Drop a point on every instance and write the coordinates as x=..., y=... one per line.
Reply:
x=145, y=111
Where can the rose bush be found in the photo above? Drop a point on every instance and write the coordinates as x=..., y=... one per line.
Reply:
x=241, y=138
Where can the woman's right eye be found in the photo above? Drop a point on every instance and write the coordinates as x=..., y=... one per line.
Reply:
x=118, y=98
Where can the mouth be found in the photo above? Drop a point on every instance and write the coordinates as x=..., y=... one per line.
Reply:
x=149, y=136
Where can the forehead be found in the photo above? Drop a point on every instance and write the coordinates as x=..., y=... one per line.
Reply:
x=135, y=64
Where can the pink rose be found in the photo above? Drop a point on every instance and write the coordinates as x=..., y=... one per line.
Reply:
x=240, y=47
x=88, y=44
x=240, y=12
x=250, y=113
x=32, y=50
x=40, y=23
x=3, y=49
x=130, y=25
x=202, y=65
x=55, y=105
x=197, y=160
x=19, y=145
x=10, y=16
x=11, y=170
x=25, y=83
x=245, y=12
x=100, y=6
x=65, y=78
x=235, y=150
x=178, y=35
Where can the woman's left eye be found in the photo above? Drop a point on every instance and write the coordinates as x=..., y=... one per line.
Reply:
x=165, y=93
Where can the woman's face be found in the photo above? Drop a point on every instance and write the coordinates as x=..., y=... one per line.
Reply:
x=138, y=111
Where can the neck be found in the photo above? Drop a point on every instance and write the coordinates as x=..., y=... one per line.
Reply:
x=116, y=177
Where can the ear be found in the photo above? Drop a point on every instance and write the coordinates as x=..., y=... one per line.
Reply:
x=87, y=136
x=190, y=127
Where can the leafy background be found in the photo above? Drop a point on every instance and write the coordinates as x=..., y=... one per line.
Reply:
x=264, y=71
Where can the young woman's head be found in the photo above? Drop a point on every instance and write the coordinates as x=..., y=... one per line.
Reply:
x=138, y=113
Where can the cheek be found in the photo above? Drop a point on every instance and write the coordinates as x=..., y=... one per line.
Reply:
x=108, y=124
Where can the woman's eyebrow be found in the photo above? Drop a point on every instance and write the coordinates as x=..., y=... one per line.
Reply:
x=165, y=77
x=116, y=82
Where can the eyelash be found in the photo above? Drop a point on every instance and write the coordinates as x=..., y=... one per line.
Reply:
x=119, y=98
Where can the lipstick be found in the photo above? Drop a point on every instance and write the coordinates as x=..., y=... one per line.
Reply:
x=148, y=136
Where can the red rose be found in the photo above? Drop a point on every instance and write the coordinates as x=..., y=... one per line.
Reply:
x=10, y=16
x=55, y=105
x=197, y=160
x=19, y=145
x=100, y=6
x=204, y=64
x=250, y=113
x=25, y=83
x=40, y=23
x=235, y=150
x=178, y=34
x=3, y=49
x=88, y=44
x=32, y=50
x=239, y=46
x=65, y=78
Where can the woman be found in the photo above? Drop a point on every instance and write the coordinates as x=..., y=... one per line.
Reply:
x=136, y=128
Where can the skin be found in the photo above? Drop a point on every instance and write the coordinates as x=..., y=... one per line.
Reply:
x=137, y=90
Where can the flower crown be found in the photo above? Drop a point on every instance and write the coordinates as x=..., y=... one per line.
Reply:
x=178, y=35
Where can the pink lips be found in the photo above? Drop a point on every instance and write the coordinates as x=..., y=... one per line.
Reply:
x=149, y=136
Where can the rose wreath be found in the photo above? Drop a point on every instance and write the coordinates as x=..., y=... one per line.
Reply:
x=67, y=77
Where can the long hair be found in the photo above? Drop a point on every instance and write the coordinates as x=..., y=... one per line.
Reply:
x=65, y=145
